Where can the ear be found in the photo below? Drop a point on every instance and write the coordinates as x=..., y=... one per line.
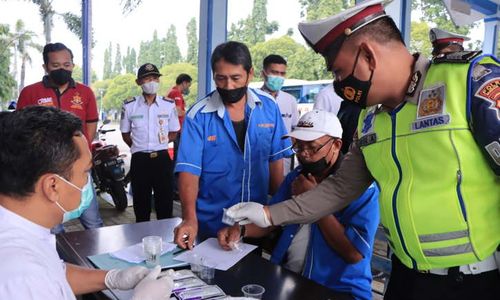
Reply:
x=368, y=54
x=250, y=75
x=49, y=187
x=138, y=82
x=45, y=68
x=338, y=144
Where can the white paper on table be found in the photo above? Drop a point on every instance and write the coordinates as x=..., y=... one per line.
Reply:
x=135, y=253
x=210, y=251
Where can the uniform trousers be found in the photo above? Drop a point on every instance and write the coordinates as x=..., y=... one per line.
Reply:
x=151, y=172
x=408, y=284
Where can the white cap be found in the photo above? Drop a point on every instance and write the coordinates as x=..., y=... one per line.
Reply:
x=439, y=36
x=322, y=34
x=315, y=124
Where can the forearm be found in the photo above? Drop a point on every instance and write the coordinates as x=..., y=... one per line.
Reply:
x=331, y=195
x=254, y=231
x=91, y=129
x=275, y=175
x=127, y=139
x=333, y=232
x=84, y=280
x=188, y=192
x=172, y=135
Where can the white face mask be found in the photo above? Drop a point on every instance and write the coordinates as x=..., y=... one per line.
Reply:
x=150, y=88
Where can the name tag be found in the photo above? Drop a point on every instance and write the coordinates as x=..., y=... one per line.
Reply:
x=163, y=116
x=430, y=122
x=367, y=140
x=135, y=117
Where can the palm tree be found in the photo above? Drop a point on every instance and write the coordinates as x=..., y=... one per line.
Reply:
x=47, y=14
x=24, y=41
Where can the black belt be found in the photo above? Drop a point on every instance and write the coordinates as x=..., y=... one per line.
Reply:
x=153, y=154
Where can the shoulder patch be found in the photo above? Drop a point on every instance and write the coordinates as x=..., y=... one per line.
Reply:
x=168, y=99
x=456, y=57
x=129, y=100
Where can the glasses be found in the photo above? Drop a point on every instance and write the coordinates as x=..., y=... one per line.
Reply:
x=309, y=151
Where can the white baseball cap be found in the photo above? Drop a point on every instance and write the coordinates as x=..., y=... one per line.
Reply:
x=316, y=124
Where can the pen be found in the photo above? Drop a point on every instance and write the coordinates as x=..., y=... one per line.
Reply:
x=179, y=251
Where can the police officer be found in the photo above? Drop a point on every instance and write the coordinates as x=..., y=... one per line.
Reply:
x=429, y=136
x=446, y=42
x=148, y=123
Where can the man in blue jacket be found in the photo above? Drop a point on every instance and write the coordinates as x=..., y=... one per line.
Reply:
x=336, y=250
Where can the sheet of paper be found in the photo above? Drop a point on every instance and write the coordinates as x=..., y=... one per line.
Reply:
x=135, y=253
x=209, y=251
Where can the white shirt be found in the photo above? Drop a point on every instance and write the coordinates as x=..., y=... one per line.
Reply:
x=288, y=108
x=146, y=122
x=328, y=100
x=296, y=253
x=30, y=267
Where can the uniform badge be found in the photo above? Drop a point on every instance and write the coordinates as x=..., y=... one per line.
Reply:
x=368, y=121
x=77, y=102
x=415, y=79
x=490, y=92
x=45, y=101
x=431, y=108
x=479, y=72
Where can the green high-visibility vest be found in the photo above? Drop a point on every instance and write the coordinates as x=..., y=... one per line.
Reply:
x=439, y=199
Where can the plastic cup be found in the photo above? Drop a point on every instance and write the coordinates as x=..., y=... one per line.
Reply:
x=253, y=291
x=196, y=264
x=207, y=271
x=152, y=246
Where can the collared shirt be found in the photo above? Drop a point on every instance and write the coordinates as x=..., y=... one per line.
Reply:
x=328, y=100
x=31, y=267
x=146, y=122
x=354, y=177
x=179, y=101
x=77, y=99
x=209, y=149
x=288, y=108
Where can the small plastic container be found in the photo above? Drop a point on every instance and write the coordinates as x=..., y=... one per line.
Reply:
x=253, y=291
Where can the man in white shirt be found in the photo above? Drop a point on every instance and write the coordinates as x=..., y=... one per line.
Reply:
x=45, y=167
x=327, y=100
x=274, y=73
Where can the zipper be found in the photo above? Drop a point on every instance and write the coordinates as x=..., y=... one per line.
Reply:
x=459, y=180
x=396, y=190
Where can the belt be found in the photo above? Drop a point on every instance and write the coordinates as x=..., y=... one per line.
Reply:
x=486, y=265
x=152, y=154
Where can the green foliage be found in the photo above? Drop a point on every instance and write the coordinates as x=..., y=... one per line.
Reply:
x=120, y=88
x=156, y=51
x=255, y=27
x=302, y=62
x=7, y=82
x=170, y=73
x=435, y=12
x=130, y=61
x=420, y=38
x=77, y=74
x=107, y=71
x=319, y=9
x=171, y=51
x=192, y=40
x=118, y=61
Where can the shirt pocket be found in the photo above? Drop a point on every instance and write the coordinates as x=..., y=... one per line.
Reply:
x=138, y=122
x=215, y=157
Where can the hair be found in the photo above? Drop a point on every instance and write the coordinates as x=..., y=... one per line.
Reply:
x=54, y=47
x=183, y=78
x=235, y=53
x=273, y=59
x=383, y=31
x=35, y=141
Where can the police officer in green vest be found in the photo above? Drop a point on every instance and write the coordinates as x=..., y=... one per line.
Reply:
x=428, y=134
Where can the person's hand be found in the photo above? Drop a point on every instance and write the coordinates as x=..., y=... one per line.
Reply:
x=125, y=279
x=154, y=288
x=228, y=236
x=249, y=212
x=302, y=184
x=185, y=233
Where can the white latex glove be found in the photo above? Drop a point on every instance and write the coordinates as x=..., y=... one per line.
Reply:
x=125, y=279
x=151, y=288
x=249, y=212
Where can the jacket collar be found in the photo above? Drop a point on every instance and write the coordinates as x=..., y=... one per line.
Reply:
x=215, y=103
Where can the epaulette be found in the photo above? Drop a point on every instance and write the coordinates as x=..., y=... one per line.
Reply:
x=129, y=100
x=456, y=57
x=168, y=99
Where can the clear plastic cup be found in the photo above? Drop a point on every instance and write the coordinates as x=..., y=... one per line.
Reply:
x=207, y=272
x=152, y=246
x=196, y=264
x=253, y=291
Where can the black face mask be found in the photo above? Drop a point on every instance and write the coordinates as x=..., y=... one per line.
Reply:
x=314, y=168
x=60, y=76
x=232, y=96
x=352, y=89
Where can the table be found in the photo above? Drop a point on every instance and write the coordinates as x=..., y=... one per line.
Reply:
x=74, y=247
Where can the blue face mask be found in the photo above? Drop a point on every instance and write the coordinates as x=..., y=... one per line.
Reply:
x=85, y=199
x=274, y=83
x=185, y=92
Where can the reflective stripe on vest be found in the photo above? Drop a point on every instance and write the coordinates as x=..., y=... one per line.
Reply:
x=439, y=199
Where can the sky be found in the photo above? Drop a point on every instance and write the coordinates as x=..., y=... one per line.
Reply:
x=110, y=25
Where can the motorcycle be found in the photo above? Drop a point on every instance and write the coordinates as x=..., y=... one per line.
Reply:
x=108, y=170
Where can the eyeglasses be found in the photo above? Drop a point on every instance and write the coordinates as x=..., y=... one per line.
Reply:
x=309, y=151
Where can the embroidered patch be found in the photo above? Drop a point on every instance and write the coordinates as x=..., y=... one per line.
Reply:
x=415, y=79
x=490, y=92
x=76, y=102
x=266, y=125
x=493, y=150
x=211, y=138
x=431, y=102
x=163, y=116
x=136, y=117
x=368, y=121
x=45, y=101
x=286, y=115
x=479, y=72
x=367, y=139
x=420, y=124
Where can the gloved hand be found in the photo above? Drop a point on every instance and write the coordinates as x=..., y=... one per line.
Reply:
x=249, y=212
x=125, y=279
x=151, y=288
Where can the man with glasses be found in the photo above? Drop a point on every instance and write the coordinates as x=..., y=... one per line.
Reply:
x=336, y=250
